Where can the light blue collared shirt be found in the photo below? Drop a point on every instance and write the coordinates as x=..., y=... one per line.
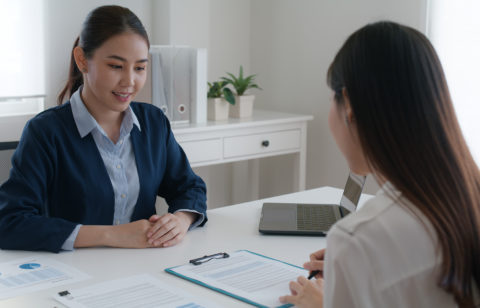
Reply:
x=119, y=160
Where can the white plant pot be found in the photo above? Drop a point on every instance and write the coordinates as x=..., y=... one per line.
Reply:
x=243, y=107
x=217, y=109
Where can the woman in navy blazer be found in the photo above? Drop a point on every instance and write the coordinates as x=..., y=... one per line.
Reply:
x=87, y=172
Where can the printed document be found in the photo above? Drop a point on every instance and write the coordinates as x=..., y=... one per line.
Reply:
x=244, y=275
x=35, y=273
x=131, y=292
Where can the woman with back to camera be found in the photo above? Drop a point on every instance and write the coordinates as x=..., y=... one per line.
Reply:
x=87, y=173
x=417, y=242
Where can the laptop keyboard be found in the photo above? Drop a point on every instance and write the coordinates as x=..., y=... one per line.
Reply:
x=318, y=217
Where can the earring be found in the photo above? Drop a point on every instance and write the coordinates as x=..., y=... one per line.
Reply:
x=346, y=120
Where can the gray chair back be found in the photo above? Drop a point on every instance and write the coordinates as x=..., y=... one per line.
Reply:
x=6, y=152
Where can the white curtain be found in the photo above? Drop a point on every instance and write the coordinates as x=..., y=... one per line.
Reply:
x=454, y=29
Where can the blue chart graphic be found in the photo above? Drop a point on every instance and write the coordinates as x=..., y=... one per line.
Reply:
x=29, y=266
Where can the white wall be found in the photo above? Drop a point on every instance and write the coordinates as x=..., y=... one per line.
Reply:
x=223, y=27
x=64, y=20
x=292, y=45
x=288, y=43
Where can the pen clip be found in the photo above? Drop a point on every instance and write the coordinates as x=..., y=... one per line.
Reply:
x=220, y=255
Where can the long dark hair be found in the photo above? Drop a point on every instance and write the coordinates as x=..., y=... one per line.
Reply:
x=101, y=24
x=410, y=135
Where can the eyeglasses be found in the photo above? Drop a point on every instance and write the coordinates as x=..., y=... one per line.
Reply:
x=201, y=260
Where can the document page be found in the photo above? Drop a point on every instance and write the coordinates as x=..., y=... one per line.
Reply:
x=35, y=273
x=136, y=291
x=245, y=275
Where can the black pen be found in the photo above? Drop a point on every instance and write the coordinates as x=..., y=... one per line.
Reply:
x=313, y=274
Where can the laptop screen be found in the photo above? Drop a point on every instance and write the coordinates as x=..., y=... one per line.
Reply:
x=353, y=190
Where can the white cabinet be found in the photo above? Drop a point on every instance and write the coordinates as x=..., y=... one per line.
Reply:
x=203, y=151
x=266, y=133
x=269, y=142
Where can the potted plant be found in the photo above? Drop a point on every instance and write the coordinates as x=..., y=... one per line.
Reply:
x=243, y=106
x=219, y=97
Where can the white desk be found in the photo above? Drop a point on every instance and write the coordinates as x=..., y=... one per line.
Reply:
x=266, y=133
x=229, y=229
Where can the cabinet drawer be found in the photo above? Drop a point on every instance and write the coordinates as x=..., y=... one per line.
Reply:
x=202, y=150
x=261, y=143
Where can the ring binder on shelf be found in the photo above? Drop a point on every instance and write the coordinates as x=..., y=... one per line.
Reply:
x=179, y=78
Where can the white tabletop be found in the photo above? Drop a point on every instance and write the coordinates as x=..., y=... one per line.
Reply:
x=229, y=229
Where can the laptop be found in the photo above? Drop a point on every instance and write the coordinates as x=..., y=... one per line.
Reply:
x=310, y=219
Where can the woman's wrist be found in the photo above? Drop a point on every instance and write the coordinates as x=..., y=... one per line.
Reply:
x=188, y=217
x=108, y=236
x=91, y=236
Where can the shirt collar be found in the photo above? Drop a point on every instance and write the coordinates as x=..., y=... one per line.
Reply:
x=86, y=122
x=389, y=190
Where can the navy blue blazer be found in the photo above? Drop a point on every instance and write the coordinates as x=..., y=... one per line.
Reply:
x=59, y=180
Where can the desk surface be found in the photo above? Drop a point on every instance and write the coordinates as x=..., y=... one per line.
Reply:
x=229, y=229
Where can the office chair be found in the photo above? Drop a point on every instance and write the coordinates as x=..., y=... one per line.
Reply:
x=6, y=152
x=9, y=145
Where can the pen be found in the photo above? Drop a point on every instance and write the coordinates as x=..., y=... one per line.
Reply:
x=313, y=274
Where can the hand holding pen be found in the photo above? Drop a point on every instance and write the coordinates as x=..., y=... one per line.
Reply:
x=303, y=289
x=315, y=265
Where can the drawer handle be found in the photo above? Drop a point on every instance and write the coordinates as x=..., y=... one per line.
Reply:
x=265, y=143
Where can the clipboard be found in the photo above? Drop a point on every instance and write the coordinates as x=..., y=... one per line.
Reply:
x=216, y=272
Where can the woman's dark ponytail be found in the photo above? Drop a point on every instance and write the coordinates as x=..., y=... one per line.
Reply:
x=100, y=25
x=75, y=78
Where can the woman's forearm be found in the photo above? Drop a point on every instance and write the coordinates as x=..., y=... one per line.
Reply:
x=131, y=235
x=91, y=236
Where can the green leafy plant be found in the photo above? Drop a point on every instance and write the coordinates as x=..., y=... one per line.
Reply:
x=240, y=83
x=218, y=89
